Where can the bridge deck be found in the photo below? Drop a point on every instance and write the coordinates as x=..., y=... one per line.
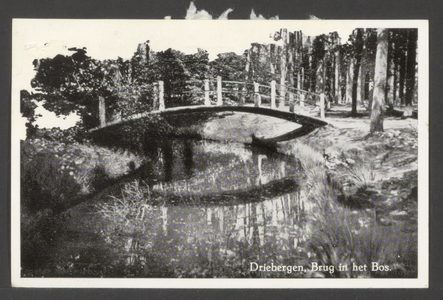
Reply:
x=305, y=121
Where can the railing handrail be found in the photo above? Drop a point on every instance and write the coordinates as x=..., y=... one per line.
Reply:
x=295, y=95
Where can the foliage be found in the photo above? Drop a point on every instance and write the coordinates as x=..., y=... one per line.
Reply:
x=45, y=185
x=229, y=66
x=197, y=64
x=342, y=237
x=72, y=83
x=27, y=109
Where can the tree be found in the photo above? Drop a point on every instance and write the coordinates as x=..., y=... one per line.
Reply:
x=229, y=66
x=410, y=71
x=170, y=68
x=197, y=64
x=401, y=56
x=71, y=83
x=318, y=55
x=358, y=51
x=27, y=109
x=381, y=63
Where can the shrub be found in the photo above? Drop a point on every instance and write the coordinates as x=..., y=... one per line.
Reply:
x=358, y=168
x=131, y=206
x=43, y=183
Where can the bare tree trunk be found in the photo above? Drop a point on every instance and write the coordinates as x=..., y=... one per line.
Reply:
x=283, y=67
x=381, y=62
x=358, y=50
x=361, y=85
x=247, y=77
x=349, y=80
x=337, y=77
x=311, y=72
x=410, y=71
x=395, y=83
x=319, y=83
x=298, y=58
x=390, y=78
x=271, y=60
x=290, y=51
x=402, y=75
x=362, y=74
x=302, y=80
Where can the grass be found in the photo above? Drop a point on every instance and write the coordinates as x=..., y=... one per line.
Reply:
x=344, y=236
x=58, y=172
x=132, y=204
x=358, y=168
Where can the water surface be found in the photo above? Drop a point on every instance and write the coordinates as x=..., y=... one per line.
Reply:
x=197, y=209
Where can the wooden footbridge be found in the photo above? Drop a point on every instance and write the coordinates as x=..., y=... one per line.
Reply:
x=291, y=104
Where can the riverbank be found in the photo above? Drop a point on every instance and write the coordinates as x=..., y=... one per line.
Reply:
x=58, y=173
x=366, y=190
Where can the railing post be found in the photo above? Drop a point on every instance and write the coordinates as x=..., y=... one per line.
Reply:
x=257, y=99
x=282, y=94
x=236, y=91
x=273, y=93
x=322, y=106
x=291, y=102
x=161, y=95
x=219, y=91
x=155, y=100
x=102, y=110
x=243, y=94
x=207, y=101
x=302, y=102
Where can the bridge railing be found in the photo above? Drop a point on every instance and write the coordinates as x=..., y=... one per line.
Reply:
x=210, y=92
x=304, y=99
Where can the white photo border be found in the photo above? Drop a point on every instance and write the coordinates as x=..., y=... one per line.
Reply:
x=422, y=281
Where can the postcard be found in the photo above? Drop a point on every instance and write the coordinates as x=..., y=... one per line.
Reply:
x=220, y=153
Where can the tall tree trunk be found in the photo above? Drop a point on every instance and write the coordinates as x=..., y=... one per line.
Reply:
x=290, y=64
x=298, y=56
x=402, y=75
x=247, y=77
x=360, y=82
x=362, y=74
x=248, y=65
x=319, y=83
x=381, y=62
x=349, y=80
x=390, y=78
x=410, y=71
x=358, y=51
x=395, y=82
x=271, y=60
x=311, y=72
x=337, y=86
x=283, y=67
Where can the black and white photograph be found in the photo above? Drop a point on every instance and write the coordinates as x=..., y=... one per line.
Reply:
x=212, y=153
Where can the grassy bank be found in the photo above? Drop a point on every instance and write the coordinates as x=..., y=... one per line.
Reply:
x=57, y=174
x=363, y=190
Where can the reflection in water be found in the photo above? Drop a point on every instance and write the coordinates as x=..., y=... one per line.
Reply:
x=254, y=214
x=188, y=158
x=222, y=241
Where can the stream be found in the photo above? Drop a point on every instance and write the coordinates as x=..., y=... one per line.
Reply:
x=208, y=209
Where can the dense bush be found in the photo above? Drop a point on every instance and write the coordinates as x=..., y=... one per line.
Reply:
x=44, y=184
